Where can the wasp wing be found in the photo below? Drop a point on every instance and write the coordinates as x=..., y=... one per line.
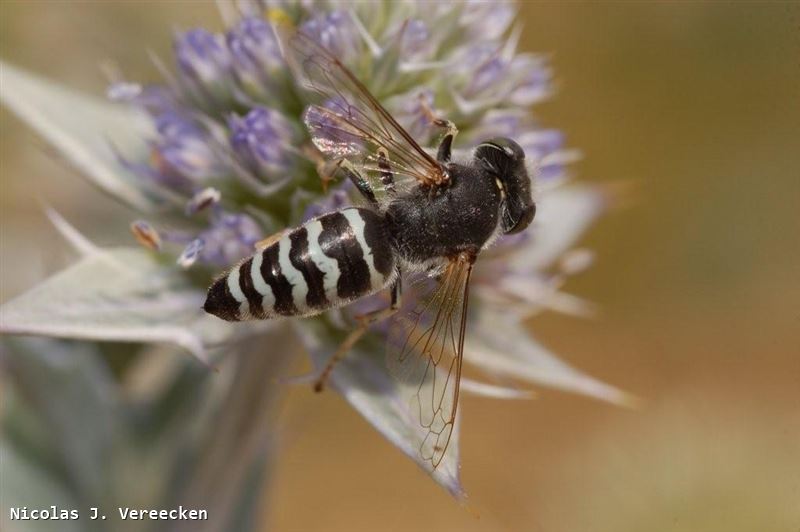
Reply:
x=351, y=123
x=425, y=352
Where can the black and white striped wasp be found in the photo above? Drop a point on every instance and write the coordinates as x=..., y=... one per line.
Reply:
x=424, y=214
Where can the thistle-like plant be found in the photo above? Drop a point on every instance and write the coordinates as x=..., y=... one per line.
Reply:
x=216, y=157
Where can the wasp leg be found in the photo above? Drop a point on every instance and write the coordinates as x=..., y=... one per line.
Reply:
x=445, y=151
x=361, y=183
x=387, y=177
x=325, y=167
x=271, y=239
x=364, y=321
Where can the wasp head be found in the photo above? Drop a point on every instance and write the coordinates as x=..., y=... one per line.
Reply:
x=505, y=161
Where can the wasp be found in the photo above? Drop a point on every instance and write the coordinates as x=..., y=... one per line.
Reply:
x=424, y=214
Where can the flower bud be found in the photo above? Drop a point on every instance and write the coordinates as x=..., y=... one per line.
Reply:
x=204, y=64
x=255, y=57
x=185, y=147
x=261, y=139
x=335, y=32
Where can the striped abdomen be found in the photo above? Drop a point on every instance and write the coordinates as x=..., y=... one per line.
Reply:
x=327, y=262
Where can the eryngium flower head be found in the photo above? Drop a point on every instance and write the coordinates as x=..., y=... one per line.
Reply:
x=230, y=162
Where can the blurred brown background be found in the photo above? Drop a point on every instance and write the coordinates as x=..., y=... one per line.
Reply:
x=698, y=278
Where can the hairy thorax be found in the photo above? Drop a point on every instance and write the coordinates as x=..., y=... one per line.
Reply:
x=460, y=217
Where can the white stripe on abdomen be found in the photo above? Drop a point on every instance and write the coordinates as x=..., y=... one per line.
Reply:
x=236, y=291
x=327, y=265
x=268, y=298
x=292, y=274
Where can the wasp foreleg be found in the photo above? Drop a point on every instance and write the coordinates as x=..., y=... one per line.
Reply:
x=445, y=151
x=364, y=321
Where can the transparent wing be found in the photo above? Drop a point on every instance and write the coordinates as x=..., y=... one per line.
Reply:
x=425, y=352
x=351, y=123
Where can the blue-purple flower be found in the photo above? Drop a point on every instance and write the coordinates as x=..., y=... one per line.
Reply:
x=204, y=65
x=184, y=149
x=336, y=31
x=263, y=140
x=256, y=60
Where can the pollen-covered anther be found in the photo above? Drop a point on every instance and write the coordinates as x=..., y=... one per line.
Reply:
x=202, y=200
x=279, y=17
x=146, y=235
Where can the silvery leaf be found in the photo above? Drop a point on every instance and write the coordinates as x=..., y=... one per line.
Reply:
x=122, y=294
x=82, y=128
x=500, y=345
x=363, y=380
x=230, y=462
x=32, y=488
x=70, y=390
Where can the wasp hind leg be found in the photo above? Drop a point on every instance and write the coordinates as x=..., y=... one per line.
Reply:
x=271, y=239
x=361, y=183
x=364, y=321
x=387, y=177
